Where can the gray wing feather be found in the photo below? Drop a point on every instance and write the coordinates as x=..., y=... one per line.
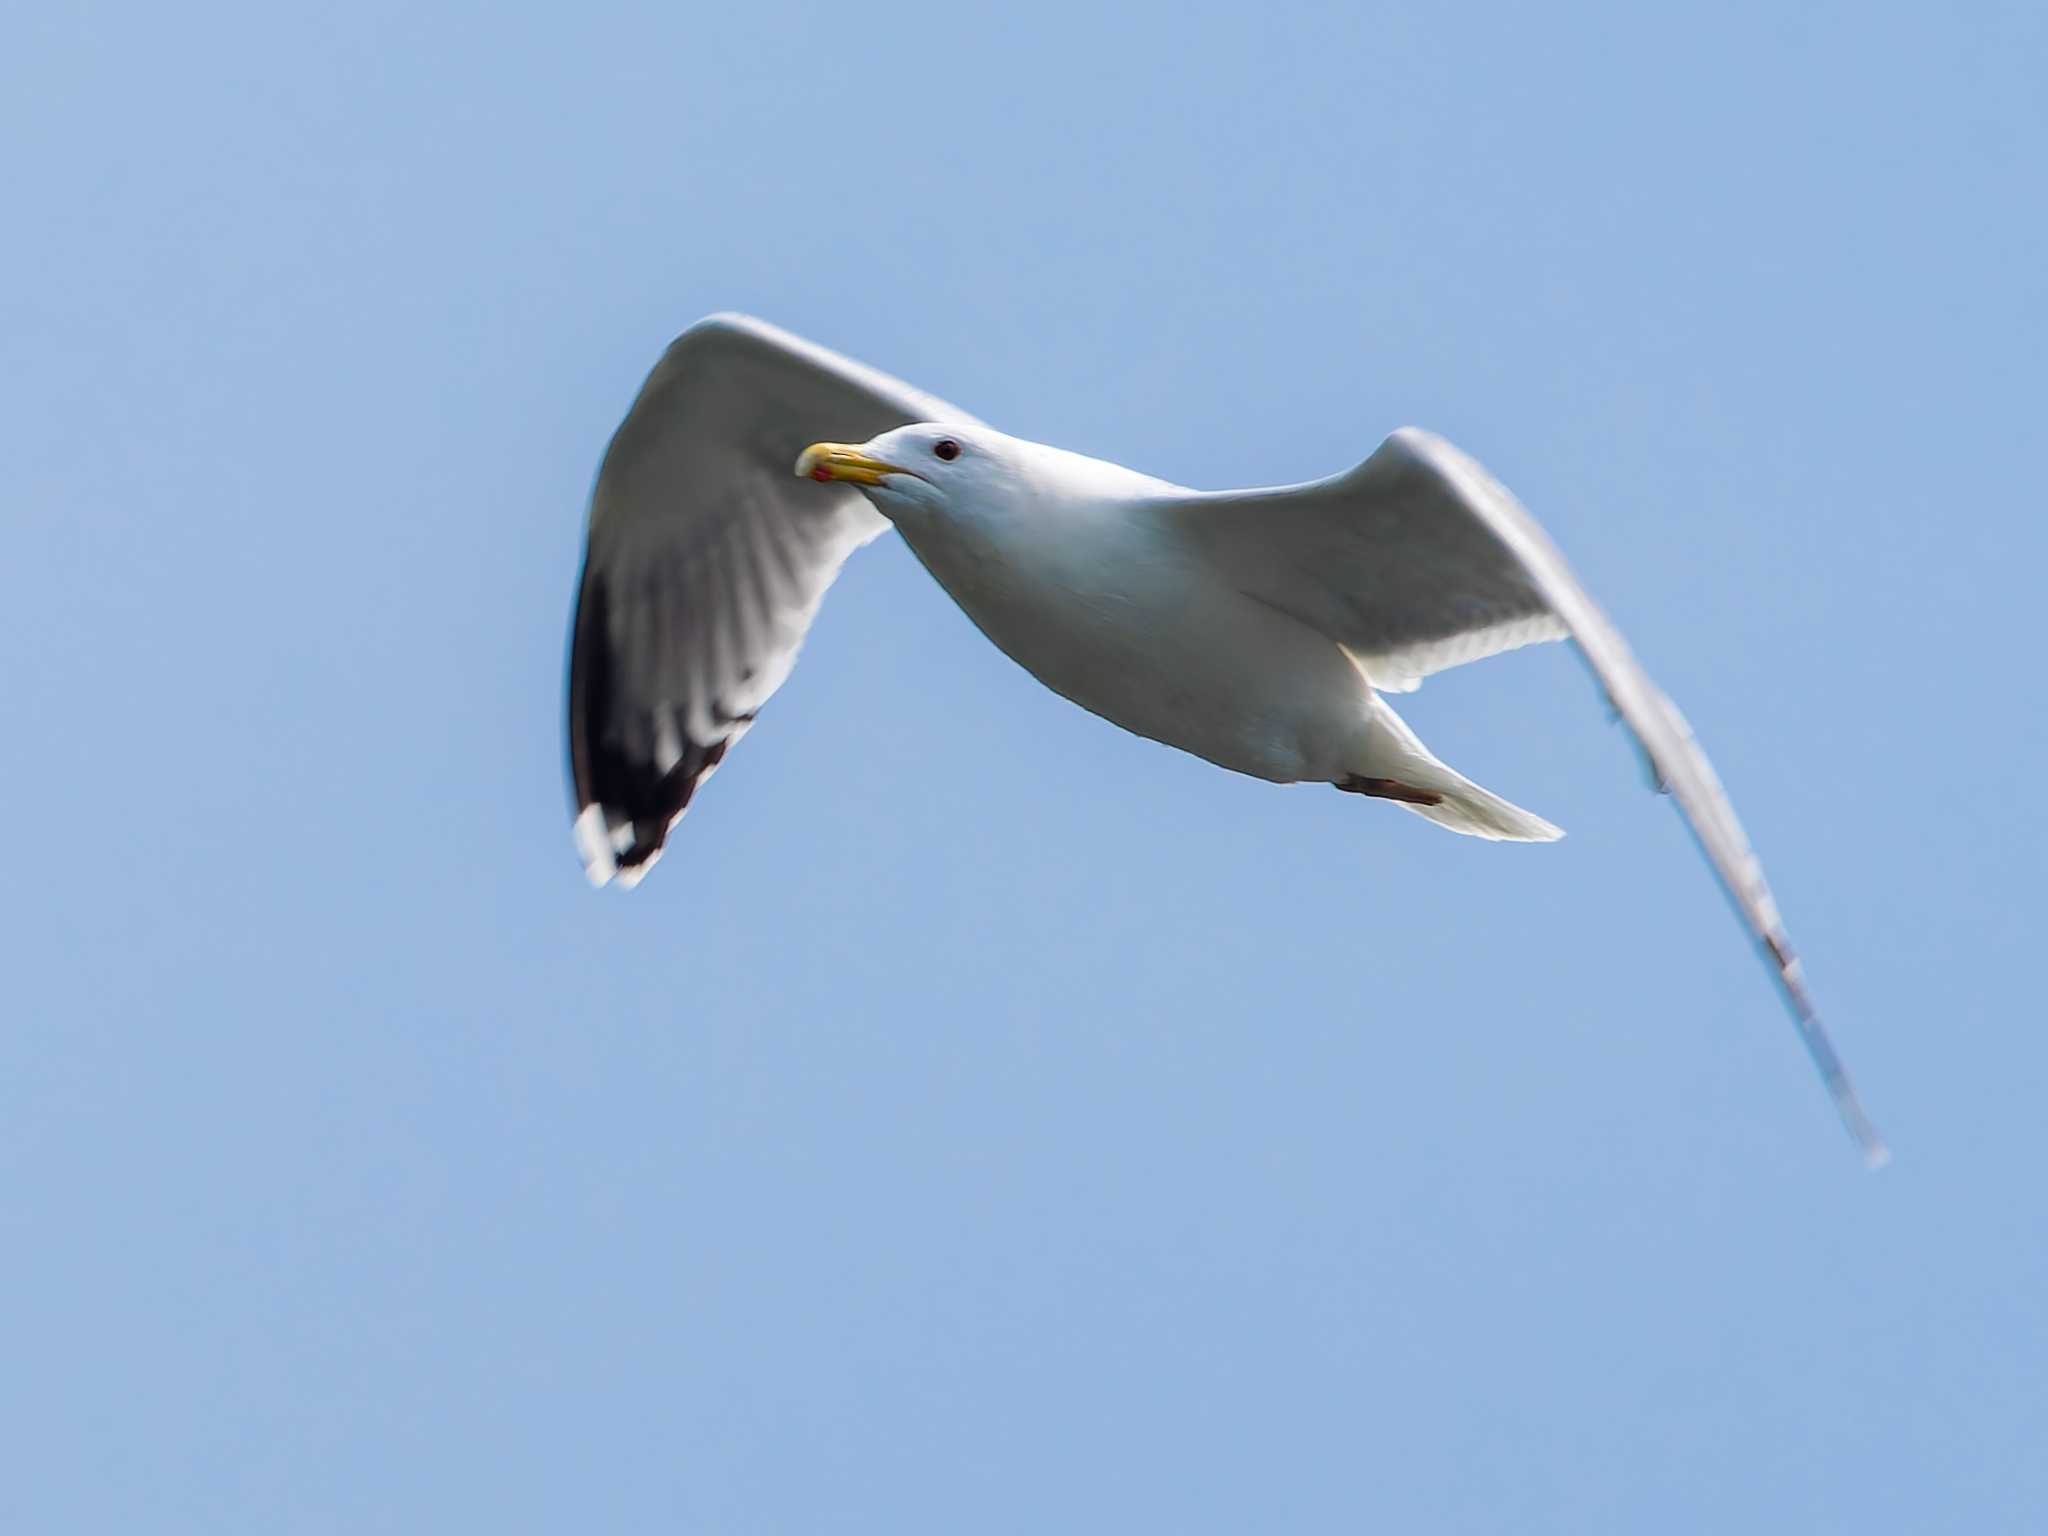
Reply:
x=704, y=564
x=1382, y=560
x=1418, y=560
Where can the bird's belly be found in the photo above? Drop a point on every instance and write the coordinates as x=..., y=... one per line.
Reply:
x=1163, y=649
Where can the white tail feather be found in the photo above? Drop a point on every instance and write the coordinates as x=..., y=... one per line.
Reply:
x=1394, y=752
x=1477, y=812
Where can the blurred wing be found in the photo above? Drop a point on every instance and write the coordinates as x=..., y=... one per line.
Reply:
x=705, y=562
x=1419, y=560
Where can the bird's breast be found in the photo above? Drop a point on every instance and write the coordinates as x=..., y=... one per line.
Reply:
x=1137, y=628
x=1061, y=593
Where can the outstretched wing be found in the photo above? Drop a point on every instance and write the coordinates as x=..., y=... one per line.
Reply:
x=1419, y=560
x=704, y=564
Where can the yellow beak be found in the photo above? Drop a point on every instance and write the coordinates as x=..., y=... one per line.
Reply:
x=842, y=461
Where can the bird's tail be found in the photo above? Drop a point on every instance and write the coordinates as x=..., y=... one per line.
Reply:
x=1400, y=768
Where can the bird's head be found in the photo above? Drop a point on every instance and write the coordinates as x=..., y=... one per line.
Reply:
x=923, y=467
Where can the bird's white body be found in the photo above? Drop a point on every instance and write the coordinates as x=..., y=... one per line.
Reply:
x=1097, y=581
x=1062, y=564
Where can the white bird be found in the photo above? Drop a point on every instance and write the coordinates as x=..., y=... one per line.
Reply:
x=1258, y=629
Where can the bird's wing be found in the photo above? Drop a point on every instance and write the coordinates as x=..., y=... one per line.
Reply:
x=704, y=563
x=1419, y=560
x=1391, y=560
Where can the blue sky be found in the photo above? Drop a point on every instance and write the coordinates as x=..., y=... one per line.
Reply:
x=985, y=1120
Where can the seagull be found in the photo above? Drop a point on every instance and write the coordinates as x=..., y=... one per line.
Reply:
x=1259, y=629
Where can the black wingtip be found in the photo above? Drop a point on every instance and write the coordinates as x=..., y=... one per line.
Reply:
x=626, y=801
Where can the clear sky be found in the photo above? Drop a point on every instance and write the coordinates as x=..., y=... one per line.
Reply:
x=984, y=1120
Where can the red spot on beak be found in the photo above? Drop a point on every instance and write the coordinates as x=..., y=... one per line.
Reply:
x=821, y=474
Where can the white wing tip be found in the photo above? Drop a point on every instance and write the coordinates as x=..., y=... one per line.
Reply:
x=594, y=847
x=1875, y=1153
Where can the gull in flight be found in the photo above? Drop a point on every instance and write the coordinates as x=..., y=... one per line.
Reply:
x=1259, y=629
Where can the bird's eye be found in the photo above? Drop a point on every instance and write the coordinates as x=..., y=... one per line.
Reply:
x=946, y=449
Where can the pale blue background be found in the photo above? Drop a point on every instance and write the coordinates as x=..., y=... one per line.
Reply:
x=986, y=1121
